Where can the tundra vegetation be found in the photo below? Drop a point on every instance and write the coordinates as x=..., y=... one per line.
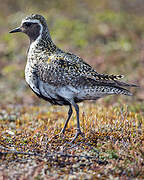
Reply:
x=110, y=37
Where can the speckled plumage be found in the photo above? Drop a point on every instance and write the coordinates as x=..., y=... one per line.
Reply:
x=61, y=77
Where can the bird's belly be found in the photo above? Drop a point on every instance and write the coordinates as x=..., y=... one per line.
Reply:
x=49, y=93
x=59, y=94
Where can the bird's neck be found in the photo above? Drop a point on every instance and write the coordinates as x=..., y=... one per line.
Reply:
x=42, y=44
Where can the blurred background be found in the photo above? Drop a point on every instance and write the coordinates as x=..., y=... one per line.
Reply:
x=107, y=34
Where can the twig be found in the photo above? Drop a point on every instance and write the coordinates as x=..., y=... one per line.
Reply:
x=13, y=151
x=70, y=156
x=17, y=152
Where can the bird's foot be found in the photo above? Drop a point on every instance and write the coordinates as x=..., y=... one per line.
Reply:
x=62, y=131
x=77, y=134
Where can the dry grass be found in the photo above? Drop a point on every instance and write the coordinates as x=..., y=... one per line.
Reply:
x=31, y=146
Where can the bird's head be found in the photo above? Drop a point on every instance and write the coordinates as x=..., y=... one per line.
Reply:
x=33, y=25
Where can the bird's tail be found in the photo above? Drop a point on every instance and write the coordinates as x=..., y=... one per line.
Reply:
x=116, y=87
x=123, y=91
x=115, y=78
x=124, y=84
x=120, y=86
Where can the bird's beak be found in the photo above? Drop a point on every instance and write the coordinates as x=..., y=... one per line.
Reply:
x=16, y=30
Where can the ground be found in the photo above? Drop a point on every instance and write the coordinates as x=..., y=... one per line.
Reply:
x=31, y=144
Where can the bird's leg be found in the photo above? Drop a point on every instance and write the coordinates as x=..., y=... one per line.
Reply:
x=69, y=116
x=78, y=124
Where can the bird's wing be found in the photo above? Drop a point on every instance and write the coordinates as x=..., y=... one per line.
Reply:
x=65, y=72
x=58, y=72
x=102, y=78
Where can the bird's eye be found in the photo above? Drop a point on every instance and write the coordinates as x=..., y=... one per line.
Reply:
x=27, y=24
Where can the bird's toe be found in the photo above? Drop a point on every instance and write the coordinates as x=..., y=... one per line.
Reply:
x=77, y=134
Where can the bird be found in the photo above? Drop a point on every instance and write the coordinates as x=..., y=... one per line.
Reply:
x=60, y=77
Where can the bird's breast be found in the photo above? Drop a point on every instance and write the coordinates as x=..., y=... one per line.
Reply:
x=31, y=77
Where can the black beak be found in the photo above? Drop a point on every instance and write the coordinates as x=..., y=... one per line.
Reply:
x=16, y=30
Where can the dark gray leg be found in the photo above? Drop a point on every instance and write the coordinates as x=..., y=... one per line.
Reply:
x=69, y=116
x=78, y=124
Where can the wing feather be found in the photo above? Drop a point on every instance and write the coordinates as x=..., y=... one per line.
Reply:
x=61, y=71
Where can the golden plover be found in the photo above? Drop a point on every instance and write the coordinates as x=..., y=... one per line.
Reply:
x=63, y=78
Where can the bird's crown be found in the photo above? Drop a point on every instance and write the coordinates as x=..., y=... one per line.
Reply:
x=36, y=17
